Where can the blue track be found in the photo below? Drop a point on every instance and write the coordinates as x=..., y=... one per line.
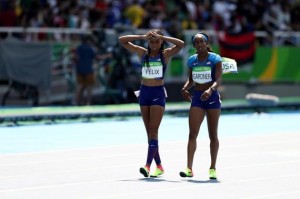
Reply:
x=40, y=138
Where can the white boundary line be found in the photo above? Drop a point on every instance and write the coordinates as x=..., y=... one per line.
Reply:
x=273, y=195
x=111, y=181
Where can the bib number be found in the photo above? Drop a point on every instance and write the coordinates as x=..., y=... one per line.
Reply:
x=152, y=72
x=202, y=75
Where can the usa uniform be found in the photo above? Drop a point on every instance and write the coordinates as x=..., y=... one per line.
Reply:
x=204, y=72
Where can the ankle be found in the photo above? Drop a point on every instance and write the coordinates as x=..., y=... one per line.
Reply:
x=160, y=166
x=147, y=167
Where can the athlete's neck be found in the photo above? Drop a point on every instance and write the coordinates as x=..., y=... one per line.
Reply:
x=202, y=56
x=154, y=54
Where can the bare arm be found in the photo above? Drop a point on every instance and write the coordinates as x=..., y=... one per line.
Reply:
x=218, y=81
x=178, y=45
x=188, y=84
x=126, y=40
x=206, y=94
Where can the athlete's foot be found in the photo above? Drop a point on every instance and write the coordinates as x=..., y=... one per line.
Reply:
x=187, y=173
x=212, y=174
x=158, y=172
x=145, y=171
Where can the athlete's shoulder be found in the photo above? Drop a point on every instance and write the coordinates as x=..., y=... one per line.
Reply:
x=214, y=57
x=191, y=59
x=194, y=56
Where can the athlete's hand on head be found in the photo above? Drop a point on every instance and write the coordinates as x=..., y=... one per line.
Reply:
x=186, y=95
x=152, y=35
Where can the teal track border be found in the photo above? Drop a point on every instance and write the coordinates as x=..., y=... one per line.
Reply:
x=55, y=113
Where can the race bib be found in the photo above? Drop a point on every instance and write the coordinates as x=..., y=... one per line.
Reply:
x=154, y=70
x=202, y=75
x=229, y=65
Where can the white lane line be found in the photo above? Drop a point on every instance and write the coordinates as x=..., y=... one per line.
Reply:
x=188, y=186
x=3, y=177
x=123, y=179
x=130, y=165
x=262, y=164
x=2, y=156
x=70, y=150
x=117, y=155
x=274, y=195
x=69, y=171
x=63, y=185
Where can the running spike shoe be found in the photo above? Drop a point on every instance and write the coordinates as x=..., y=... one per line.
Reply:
x=158, y=172
x=187, y=173
x=212, y=174
x=145, y=171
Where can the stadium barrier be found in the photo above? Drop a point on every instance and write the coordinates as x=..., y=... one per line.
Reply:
x=268, y=65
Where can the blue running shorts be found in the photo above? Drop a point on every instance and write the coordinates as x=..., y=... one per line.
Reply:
x=152, y=95
x=213, y=102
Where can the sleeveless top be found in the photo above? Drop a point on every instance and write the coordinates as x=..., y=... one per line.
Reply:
x=156, y=68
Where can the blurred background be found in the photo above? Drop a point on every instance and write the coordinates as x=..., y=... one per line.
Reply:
x=38, y=41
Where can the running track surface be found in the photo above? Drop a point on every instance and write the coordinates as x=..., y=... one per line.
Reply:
x=259, y=157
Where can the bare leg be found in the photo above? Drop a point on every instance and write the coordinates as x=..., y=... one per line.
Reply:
x=213, y=116
x=196, y=117
x=152, y=117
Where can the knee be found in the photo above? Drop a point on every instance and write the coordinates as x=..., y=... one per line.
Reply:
x=192, y=136
x=153, y=133
x=214, y=138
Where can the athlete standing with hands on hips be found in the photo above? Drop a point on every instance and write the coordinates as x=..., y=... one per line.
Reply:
x=205, y=73
x=152, y=94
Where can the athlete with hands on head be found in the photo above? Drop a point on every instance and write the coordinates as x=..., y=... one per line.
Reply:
x=152, y=94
